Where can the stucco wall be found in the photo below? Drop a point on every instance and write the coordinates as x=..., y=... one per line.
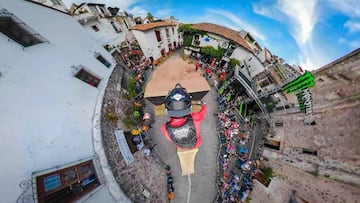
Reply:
x=240, y=53
x=46, y=112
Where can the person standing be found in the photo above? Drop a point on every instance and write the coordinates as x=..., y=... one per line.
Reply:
x=197, y=66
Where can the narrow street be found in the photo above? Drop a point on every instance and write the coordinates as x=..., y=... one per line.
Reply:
x=203, y=181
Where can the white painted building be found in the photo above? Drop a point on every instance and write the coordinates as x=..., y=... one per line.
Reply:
x=126, y=21
x=52, y=80
x=251, y=41
x=236, y=47
x=56, y=4
x=157, y=38
x=254, y=65
x=99, y=23
x=265, y=57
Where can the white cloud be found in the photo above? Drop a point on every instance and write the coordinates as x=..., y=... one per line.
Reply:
x=347, y=7
x=350, y=8
x=352, y=26
x=300, y=17
x=268, y=11
x=138, y=11
x=238, y=23
x=162, y=13
x=353, y=44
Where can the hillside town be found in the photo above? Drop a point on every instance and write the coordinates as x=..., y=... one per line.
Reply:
x=85, y=112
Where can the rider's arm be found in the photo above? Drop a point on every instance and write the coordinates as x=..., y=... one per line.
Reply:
x=200, y=115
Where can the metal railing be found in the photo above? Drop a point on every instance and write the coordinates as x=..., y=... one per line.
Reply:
x=252, y=94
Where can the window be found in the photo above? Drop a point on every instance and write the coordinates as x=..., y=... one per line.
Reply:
x=310, y=152
x=70, y=175
x=87, y=77
x=51, y=182
x=56, y=2
x=173, y=30
x=15, y=29
x=93, y=10
x=230, y=51
x=125, y=24
x=114, y=26
x=103, y=60
x=95, y=28
x=158, y=36
x=102, y=10
x=167, y=33
x=67, y=184
x=196, y=40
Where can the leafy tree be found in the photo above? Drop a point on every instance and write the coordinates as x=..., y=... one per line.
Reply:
x=189, y=33
x=234, y=62
x=212, y=52
x=150, y=16
x=267, y=173
x=188, y=40
x=131, y=87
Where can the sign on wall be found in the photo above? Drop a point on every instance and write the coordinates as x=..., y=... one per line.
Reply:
x=302, y=82
x=301, y=87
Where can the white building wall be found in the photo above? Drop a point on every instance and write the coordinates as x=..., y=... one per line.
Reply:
x=57, y=4
x=174, y=36
x=254, y=65
x=211, y=40
x=46, y=113
x=261, y=56
x=240, y=53
x=106, y=33
x=148, y=43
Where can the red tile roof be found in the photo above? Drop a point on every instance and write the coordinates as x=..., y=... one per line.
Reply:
x=224, y=32
x=144, y=27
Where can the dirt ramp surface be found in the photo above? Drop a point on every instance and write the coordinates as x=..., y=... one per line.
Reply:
x=175, y=70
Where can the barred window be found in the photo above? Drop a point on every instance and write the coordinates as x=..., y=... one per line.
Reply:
x=15, y=29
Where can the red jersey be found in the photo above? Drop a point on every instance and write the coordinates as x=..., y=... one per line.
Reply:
x=197, y=118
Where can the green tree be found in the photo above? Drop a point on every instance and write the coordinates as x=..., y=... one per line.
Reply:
x=234, y=62
x=131, y=87
x=188, y=33
x=150, y=16
x=212, y=52
x=267, y=173
x=186, y=28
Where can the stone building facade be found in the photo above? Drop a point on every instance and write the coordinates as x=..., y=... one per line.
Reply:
x=329, y=149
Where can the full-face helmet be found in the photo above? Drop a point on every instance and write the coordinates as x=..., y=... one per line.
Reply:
x=178, y=102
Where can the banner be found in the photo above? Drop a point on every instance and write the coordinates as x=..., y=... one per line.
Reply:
x=302, y=82
x=301, y=87
x=124, y=147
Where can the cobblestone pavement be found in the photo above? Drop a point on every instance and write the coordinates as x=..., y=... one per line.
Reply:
x=146, y=172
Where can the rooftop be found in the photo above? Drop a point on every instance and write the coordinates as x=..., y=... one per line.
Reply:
x=144, y=27
x=223, y=31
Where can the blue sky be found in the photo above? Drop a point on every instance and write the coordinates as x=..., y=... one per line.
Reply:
x=311, y=33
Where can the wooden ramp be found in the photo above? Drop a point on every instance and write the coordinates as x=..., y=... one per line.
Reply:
x=175, y=70
x=161, y=111
x=187, y=160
